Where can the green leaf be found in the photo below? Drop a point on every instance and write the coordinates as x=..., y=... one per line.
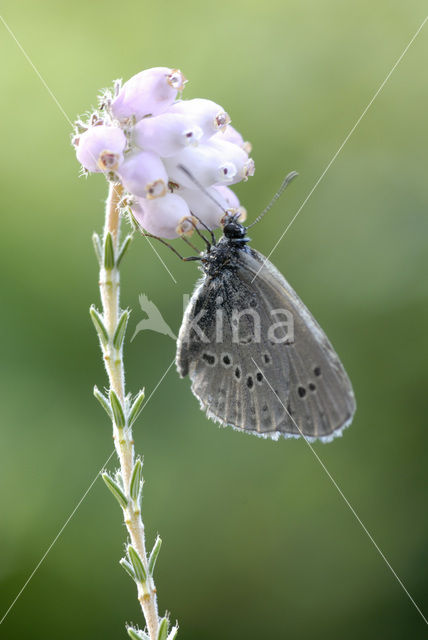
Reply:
x=137, y=564
x=97, y=247
x=128, y=567
x=154, y=555
x=116, y=406
x=119, y=334
x=99, y=325
x=136, y=480
x=136, y=634
x=116, y=490
x=108, y=252
x=136, y=408
x=123, y=249
x=103, y=402
x=163, y=629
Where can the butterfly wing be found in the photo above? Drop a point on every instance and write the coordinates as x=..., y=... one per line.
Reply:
x=219, y=356
x=289, y=382
x=320, y=399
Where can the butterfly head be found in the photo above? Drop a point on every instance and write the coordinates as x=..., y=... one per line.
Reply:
x=234, y=230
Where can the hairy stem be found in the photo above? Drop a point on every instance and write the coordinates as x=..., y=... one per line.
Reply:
x=113, y=358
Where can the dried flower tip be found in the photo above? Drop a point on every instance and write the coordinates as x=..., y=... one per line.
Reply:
x=247, y=146
x=176, y=80
x=117, y=85
x=248, y=169
x=226, y=172
x=108, y=161
x=233, y=212
x=221, y=120
x=156, y=189
x=186, y=226
x=81, y=127
x=242, y=214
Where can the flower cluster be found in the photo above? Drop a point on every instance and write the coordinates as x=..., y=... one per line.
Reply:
x=143, y=134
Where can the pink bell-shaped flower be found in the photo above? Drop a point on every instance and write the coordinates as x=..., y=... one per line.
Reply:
x=143, y=174
x=163, y=216
x=100, y=148
x=149, y=92
x=166, y=134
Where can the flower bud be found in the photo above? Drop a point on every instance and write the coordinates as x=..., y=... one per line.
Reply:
x=227, y=195
x=166, y=134
x=244, y=165
x=161, y=216
x=143, y=174
x=149, y=92
x=230, y=134
x=211, y=117
x=205, y=163
x=232, y=201
x=201, y=205
x=100, y=148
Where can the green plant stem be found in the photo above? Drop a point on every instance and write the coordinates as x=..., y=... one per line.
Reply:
x=123, y=441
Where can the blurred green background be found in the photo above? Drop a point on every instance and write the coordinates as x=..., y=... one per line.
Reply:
x=258, y=543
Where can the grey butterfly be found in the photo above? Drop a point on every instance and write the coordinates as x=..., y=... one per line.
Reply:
x=246, y=367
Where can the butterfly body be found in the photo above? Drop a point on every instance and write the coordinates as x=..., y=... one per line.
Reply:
x=257, y=359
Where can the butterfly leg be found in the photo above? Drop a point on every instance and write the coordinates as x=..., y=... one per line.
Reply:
x=185, y=259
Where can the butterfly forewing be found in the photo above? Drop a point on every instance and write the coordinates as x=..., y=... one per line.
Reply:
x=223, y=370
x=258, y=360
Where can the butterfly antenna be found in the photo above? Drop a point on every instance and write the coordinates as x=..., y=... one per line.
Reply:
x=277, y=195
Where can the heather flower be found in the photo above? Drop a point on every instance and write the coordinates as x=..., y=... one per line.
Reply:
x=205, y=163
x=161, y=216
x=100, y=148
x=166, y=134
x=149, y=92
x=211, y=209
x=143, y=174
x=143, y=135
x=211, y=117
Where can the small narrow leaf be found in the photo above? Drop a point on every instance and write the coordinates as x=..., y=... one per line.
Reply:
x=99, y=325
x=137, y=634
x=136, y=407
x=136, y=480
x=97, y=247
x=173, y=633
x=154, y=555
x=163, y=629
x=103, y=402
x=123, y=249
x=128, y=567
x=137, y=564
x=116, y=490
x=119, y=334
x=108, y=252
x=116, y=406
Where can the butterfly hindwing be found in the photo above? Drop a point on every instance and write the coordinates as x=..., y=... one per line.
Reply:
x=320, y=399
